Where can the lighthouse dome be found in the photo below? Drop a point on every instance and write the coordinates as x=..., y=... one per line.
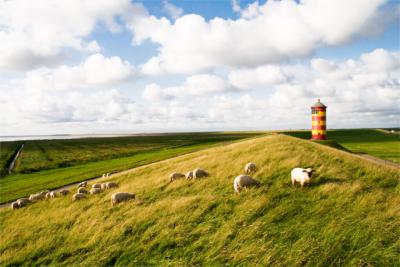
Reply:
x=319, y=104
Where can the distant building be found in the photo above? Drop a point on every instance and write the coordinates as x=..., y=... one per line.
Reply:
x=318, y=115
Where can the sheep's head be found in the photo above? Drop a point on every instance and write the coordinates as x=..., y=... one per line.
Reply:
x=309, y=171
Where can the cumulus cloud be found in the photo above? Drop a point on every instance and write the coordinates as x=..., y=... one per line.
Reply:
x=34, y=33
x=173, y=11
x=264, y=34
x=96, y=70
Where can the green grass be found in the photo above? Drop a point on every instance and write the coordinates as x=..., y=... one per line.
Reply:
x=348, y=216
x=374, y=142
x=21, y=184
x=7, y=153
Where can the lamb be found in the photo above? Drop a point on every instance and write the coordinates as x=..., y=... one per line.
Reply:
x=78, y=196
x=175, y=176
x=82, y=184
x=82, y=190
x=244, y=181
x=63, y=192
x=189, y=175
x=119, y=197
x=95, y=190
x=199, y=173
x=22, y=202
x=96, y=186
x=250, y=168
x=14, y=205
x=301, y=176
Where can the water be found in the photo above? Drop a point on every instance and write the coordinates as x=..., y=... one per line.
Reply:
x=58, y=136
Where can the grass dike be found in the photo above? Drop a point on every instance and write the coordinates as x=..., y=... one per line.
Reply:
x=348, y=216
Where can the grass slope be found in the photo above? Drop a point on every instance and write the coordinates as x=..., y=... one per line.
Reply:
x=348, y=216
x=375, y=142
x=20, y=185
x=7, y=152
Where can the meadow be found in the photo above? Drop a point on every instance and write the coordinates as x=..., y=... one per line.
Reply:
x=375, y=142
x=62, y=162
x=348, y=216
x=7, y=153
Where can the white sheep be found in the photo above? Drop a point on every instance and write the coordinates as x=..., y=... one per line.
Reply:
x=250, y=168
x=82, y=190
x=95, y=190
x=199, y=173
x=78, y=196
x=96, y=186
x=14, y=205
x=23, y=201
x=175, y=176
x=82, y=184
x=63, y=192
x=244, y=181
x=189, y=175
x=301, y=176
x=119, y=197
x=110, y=185
x=38, y=196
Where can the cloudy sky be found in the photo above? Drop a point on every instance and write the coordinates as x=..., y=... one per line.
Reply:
x=108, y=66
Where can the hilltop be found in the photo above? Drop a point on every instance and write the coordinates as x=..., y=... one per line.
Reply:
x=348, y=216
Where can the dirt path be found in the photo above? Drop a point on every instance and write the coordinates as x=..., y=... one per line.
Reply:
x=379, y=160
x=11, y=167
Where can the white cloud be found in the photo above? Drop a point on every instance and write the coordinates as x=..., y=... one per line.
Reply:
x=96, y=70
x=275, y=31
x=258, y=77
x=173, y=11
x=34, y=33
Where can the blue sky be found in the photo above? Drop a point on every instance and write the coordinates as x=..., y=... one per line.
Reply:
x=146, y=66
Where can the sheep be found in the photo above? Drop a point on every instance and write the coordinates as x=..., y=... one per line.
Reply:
x=250, y=168
x=14, y=205
x=82, y=184
x=96, y=186
x=189, y=175
x=95, y=190
x=103, y=186
x=23, y=201
x=244, y=181
x=119, y=197
x=47, y=195
x=199, y=173
x=175, y=176
x=78, y=196
x=301, y=175
x=38, y=196
x=82, y=190
x=110, y=185
x=50, y=194
x=63, y=192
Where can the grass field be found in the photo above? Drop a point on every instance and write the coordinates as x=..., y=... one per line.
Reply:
x=7, y=151
x=349, y=216
x=139, y=150
x=377, y=143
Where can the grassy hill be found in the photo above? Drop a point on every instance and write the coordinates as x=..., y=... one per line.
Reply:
x=348, y=216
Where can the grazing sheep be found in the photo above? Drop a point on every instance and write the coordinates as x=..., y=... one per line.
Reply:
x=63, y=192
x=103, y=186
x=199, y=173
x=250, y=168
x=96, y=186
x=23, y=201
x=53, y=194
x=110, y=185
x=82, y=184
x=95, y=190
x=82, y=190
x=119, y=197
x=175, y=176
x=301, y=176
x=244, y=181
x=47, y=195
x=38, y=196
x=14, y=205
x=189, y=175
x=78, y=196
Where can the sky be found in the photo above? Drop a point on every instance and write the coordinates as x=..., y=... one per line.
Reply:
x=121, y=66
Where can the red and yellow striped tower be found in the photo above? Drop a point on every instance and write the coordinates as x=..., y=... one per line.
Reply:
x=318, y=111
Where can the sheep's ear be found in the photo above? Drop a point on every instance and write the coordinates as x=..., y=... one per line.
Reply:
x=304, y=170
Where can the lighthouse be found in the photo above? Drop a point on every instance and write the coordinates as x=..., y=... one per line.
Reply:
x=318, y=115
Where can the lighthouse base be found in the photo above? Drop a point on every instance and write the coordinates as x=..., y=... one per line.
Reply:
x=318, y=137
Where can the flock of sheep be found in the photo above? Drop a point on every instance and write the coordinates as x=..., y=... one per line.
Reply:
x=80, y=194
x=298, y=175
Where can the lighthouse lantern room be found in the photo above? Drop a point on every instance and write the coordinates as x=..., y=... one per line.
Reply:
x=318, y=111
